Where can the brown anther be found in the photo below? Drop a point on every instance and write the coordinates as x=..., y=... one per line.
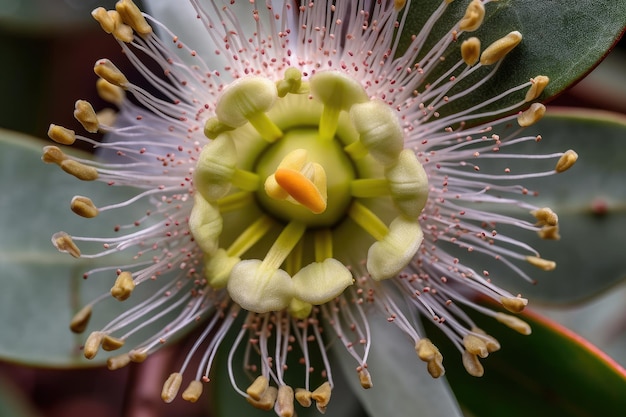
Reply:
x=514, y=304
x=475, y=345
x=321, y=396
x=193, y=391
x=110, y=343
x=539, y=83
x=470, y=50
x=549, y=233
x=545, y=216
x=53, y=155
x=131, y=15
x=64, y=243
x=123, y=287
x=284, y=401
x=541, y=263
x=258, y=387
x=398, y=5
x=124, y=33
x=435, y=366
x=107, y=23
x=566, y=161
x=365, y=378
x=117, y=362
x=92, y=344
x=61, y=135
x=303, y=397
x=472, y=364
x=138, y=356
x=474, y=15
x=500, y=48
x=426, y=350
x=110, y=92
x=85, y=114
x=492, y=343
x=105, y=69
x=79, y=322
x=171, y=387
x=531, y=115
x=514, y=323
x=79, y=170
x=267, y=400
x=106, y=117
x=84, y=207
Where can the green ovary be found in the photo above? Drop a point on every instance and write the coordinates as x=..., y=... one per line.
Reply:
x=275, y=191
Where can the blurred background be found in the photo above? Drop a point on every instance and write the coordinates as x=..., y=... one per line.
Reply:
x=47, y=51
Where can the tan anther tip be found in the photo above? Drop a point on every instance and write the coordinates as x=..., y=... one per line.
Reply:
x=545, y=216
x=470, y=51
x=549, y=233
x=64, y=243
x=303, y=396
x=84, y=207
x=472, y=364
x=138, y=356
x=267, y=400
x=61, y=135
x=566, y=161
x=79, y=322
x=107, y=23
x=104, y=68
x=541, y=263
x=132, y=16
x=284, y=402
x=474, y=15
x=365, y=378
x=123, y=287
x=193, y=391
x=171, y=387
x=92, y=344
x=258, y=387
x=81, y=171
x=514, y=304
x=532, y=115
x=399, y=4
x=86, y=115
x=321, y=396
x=117, y=362
x=110, y=92
x=426, y=350
x=500, y=48
x=514, y=323
x=110, y=343
x=475, y=345
x=491, y=342
x=538, y=84
x=53, y=155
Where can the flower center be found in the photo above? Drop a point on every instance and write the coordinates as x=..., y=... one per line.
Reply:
x=301, y=178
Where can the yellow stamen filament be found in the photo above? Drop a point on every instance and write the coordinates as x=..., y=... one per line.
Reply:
x=472, y=364
x=514, y=304
x=303, y=397
x=284, y=401
x=369, y=187
x=566, y=161
x=541, y=263
x=323, y=243
x=107, y=70
x=110, y=343
x=79, y=322
x=470, y=51
x=61, y=135
x=514, y=323
x=531, y=115
x=299, y=309
x=500, y=48
x=85, y=114
x=539, y=83
x=64, y=243
x=117, y=362
x=321, y=396
x=131, y=15
x=193, y=391
x=110, y=92
x=258, y=387
x=474, y=15
x=365, y=379
x=92, y=344
x=84, y=207
x=124, y=286
x=171, y=387
x=475, y=345
x=267, y=400
x=301, y=189
x=368, y=221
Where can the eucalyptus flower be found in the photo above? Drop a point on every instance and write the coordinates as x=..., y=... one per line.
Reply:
x=311, y=183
